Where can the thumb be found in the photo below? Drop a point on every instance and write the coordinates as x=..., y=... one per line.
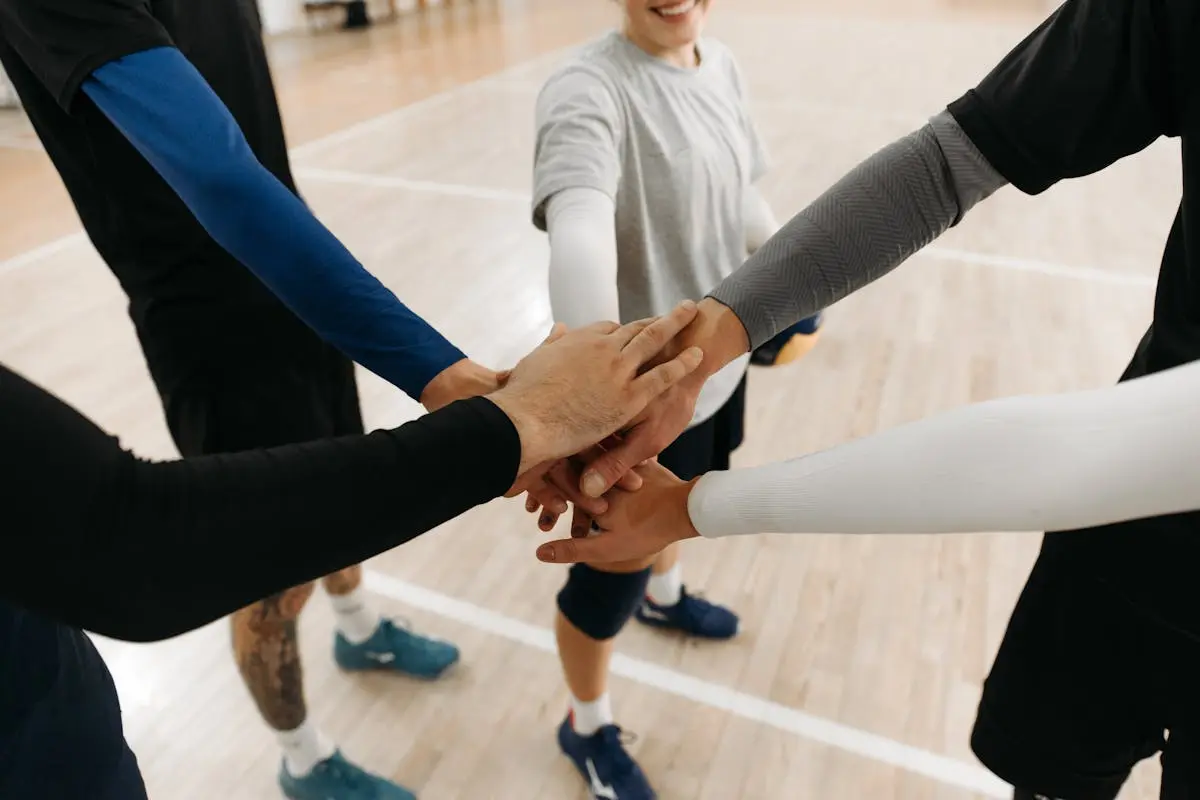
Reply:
x=567, y=551
x=611, y=467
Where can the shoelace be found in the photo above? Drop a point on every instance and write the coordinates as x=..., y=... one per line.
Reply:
x=402, y=624
x=616, y=737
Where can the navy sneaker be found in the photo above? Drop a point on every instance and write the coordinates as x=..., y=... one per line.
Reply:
x=692, y=615
x=610, y=772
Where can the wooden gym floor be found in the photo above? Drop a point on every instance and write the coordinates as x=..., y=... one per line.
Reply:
x=861, y=659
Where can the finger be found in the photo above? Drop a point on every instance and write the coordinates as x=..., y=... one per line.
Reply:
x=626, y=333
x=531, y=504
x=639, y=444
x=573, y=551
x=630, y=481
x=564, y=478
x=646, y=343
x=581, y=524
x=548, y=498
x=654, y=382
x=604, y=327
x=547, y=521
x=558, y=331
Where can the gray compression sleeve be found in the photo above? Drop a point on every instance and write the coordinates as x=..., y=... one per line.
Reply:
x=866, y=225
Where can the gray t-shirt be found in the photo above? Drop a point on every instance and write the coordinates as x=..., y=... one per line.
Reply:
x=674, y=148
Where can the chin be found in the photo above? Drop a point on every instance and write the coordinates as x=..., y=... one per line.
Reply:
x=679, y=23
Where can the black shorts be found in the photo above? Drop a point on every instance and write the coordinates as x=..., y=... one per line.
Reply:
x=294, y=401
x=708, y=446
x=1086, y=685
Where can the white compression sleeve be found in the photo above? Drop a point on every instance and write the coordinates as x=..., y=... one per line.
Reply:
x=1034, y=463
x=583, y=257
x=761, y=223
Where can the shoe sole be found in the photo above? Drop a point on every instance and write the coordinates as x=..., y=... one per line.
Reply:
x=664, y=625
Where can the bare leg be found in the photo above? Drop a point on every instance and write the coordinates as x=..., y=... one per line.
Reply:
x=666, y=560
x=266, y=647
x=585, y=661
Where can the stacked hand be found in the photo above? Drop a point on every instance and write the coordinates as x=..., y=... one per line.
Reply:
x=585, y=478
x=580, y=387
x=636, y=524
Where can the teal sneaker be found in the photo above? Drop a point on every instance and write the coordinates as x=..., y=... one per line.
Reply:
x=397, y=649
x=335, y=778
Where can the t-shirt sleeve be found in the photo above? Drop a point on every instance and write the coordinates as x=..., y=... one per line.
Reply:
x=760, y=161
x=1097, y=81
x=63, y=41
x=578, y=138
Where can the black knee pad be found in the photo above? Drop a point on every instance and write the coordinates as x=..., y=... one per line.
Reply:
x=600, y=603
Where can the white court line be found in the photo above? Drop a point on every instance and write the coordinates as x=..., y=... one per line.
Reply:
x=47, y=250
x=392, y=182
x=941, y=768
x=1089, y=274
x=56, y=246
x=425, y=103
x=1040, y=267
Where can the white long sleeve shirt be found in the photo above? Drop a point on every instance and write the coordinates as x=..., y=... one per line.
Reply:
x=1030, y=463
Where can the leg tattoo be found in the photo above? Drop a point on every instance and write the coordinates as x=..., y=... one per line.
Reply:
x=266, y=646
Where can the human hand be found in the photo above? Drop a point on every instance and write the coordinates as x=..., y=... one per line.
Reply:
x=720, y=334
x=559, y=486
x=636, y=525
x=459, y=381
x=580, y=387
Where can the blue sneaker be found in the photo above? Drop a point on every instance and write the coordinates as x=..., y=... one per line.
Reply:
x=397, y=649
x=335, y=778
x=610, y=772
x=692, y=615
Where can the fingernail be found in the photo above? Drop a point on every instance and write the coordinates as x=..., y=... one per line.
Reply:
x=546, y=553
x=545, y=521
x=593, y=484
x=688, y=304
x=560, y=507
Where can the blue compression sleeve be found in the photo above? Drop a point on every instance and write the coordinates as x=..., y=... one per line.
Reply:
x=165, y=108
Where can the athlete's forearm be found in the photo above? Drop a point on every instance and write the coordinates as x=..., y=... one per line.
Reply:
x=868, y=223
x=141, y=551
x=1057, y=462
x=166, y=110
x=583, y=257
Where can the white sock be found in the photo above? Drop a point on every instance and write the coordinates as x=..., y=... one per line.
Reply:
x=666, y=589
x=304, y=748
x=587, y=718
x=356, y=620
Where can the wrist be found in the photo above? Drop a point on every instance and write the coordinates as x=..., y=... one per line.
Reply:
x=530, y=429
x=681, y=501
x=719, y=333
x=462, y=379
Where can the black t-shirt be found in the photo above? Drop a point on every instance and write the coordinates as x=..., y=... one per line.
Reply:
x=1100, y=80
x=193, y=304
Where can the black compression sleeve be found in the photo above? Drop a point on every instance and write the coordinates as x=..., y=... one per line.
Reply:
x=141, y=551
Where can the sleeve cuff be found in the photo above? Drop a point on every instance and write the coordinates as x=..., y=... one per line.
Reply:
x=83, y=70
x=981, y=127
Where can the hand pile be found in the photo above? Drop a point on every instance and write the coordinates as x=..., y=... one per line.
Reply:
x=593, y=408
